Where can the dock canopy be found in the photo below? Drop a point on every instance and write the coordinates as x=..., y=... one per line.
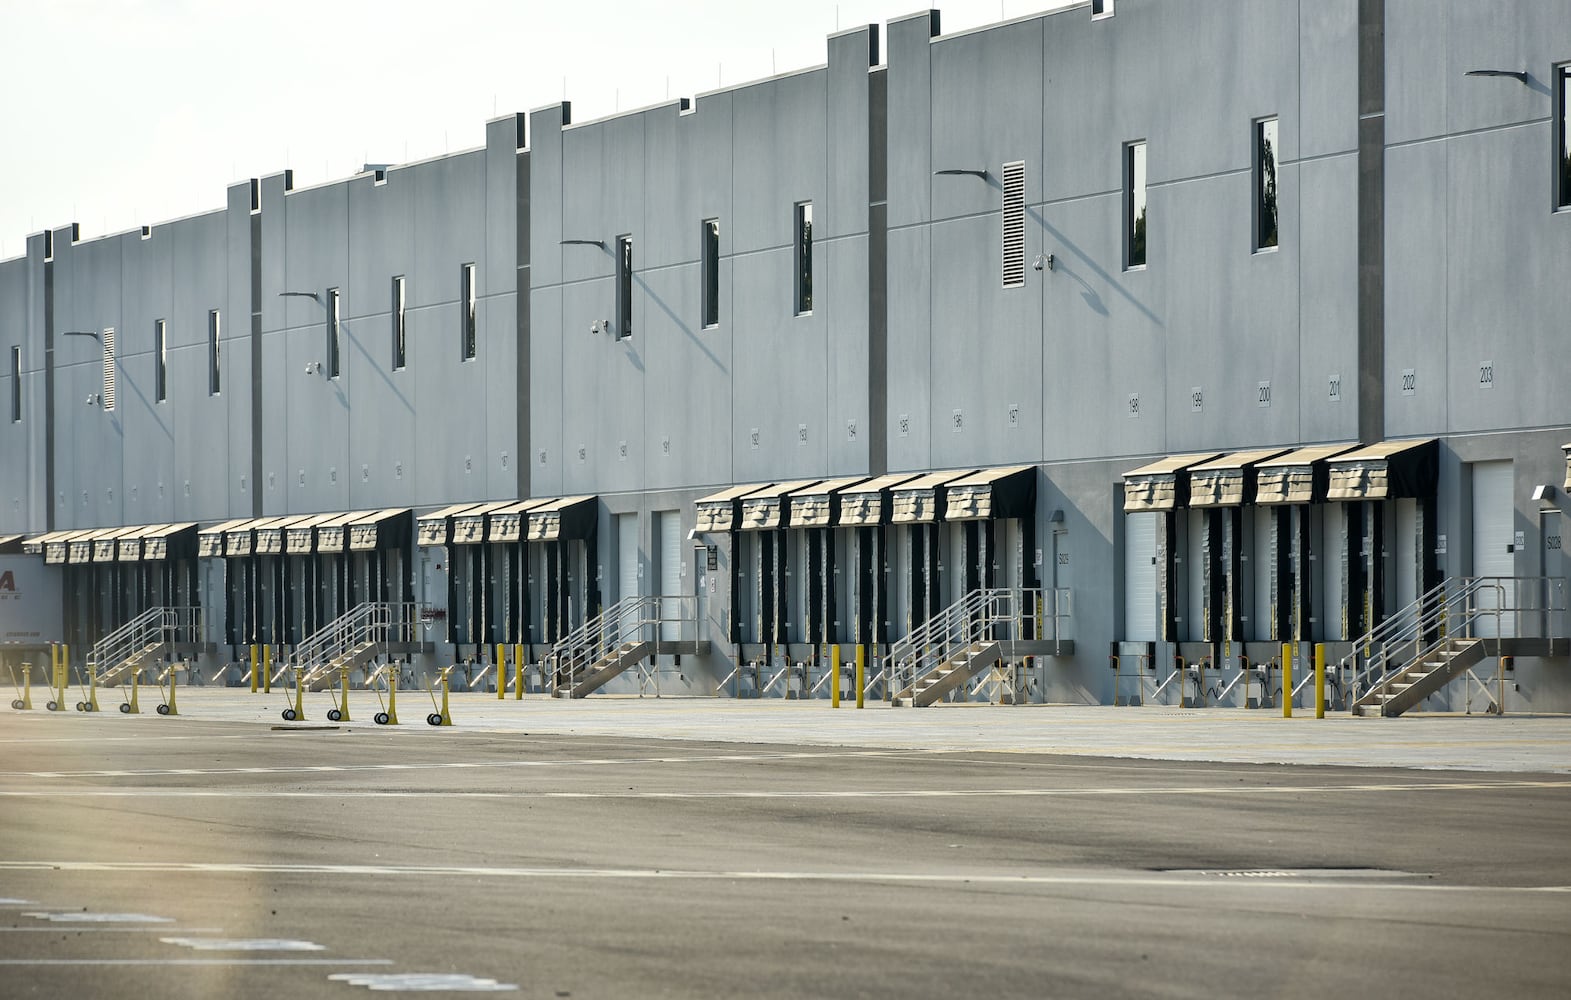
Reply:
x=818, y=506
x=469, y=526
x=767, y=507
x=1297, y=477
x=920, y=500
x=210, y=540
x=434, y=528
x=1162, y=485
x=1006, y=492
x=55, y=544
x=270, y=536
x=507, y=524
x=10, y=544
x=720, y=511
x=300, y=537
x=243, y=539
x=1390, y=470
x=563, y=520
x=80, y=548
x=106, y=543
x=379, y=529
x=160, y=541
x=332, y=535
x=868, y=502
x=1228, y=481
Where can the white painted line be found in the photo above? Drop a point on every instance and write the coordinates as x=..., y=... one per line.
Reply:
x=100, y=918
x=17, y=902
x=195, y=961
x=423, y=982
x=1383, y=788
x=1138, y=879
x=243, y=944
x=157, y=929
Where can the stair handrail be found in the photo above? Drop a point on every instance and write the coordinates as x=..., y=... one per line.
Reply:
x=370, y=623
x=1434, y=612
x=934, y=642
x=155, y=626
x=638, y=618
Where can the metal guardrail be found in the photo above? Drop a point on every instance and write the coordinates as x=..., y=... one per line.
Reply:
x=629, y=621
x=112, y=655
x=367, y=625
x=1459, y=608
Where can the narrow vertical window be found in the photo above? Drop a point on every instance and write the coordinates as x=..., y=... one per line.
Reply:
x=108, y=342
x=710, y=237
x=335, y=342
x=400, y=340
x=160, y=362
x=1563, y=137
x=1014, y=212
x=1135, y=204
x=804, y=257
x=469, y=340
x=1101, y=9
x=624, y=288
x=16, y=385
x=214, y=367
x=1265, y=183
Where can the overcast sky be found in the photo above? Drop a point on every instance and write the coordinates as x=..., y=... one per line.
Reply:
x=117, y=113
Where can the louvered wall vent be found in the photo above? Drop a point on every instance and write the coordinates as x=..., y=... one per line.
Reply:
x=1014, y=224
x=109, y=368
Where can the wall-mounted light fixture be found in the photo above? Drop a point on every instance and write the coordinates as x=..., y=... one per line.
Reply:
x=582, y=243
x=1046, y=260
x=1515, y=73
x=313, y=296
x=960, y=172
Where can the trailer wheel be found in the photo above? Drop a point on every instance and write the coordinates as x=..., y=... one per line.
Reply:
x=381, y=718
x=81, y=706
x=125, y=708
x=333, y=715
x=16, y=703
x=53, y=706
x=289, y=715
x=435, y=719
x=163, y=709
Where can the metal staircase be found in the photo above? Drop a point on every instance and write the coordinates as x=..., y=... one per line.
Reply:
x=142, y=640
x=1447, y=631
x=367, y=630
x=953, y=646
x=622, y=635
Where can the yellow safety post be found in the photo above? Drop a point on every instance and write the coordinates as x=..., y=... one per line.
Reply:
x=501, y=671
x=169, y=708
x=1287, y=680
x=834, y=684
x=343, y=701
x=299, y=697
x=254, y=678
x=392, y=694
x=518, y=672
x=27, y=686
x=861, y=675
x=1320, y=680
x=267, y=669
x=447, y=716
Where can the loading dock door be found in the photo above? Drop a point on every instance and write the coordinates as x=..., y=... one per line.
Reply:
x=1407, y=569
x=1333, y=568
x=1494, y=530
x=1263, y=564
x=626, y=556
x=668, y=525
x=1140, y=576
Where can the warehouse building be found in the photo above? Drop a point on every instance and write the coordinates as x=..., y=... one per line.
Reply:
x=1108, y=349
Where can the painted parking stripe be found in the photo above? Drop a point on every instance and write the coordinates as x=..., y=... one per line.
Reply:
x=192, y=961
x=154, y=929
x=1381, y=788
x=423, y=982
x=99, y=918
x=1135, y=879
x=243, y=944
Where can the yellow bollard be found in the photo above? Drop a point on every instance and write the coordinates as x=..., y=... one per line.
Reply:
x=343, y=704
x=518, y=672
x=861, y=675
x=1320, y=680
x=58, y=680
x=834, y=683
x=299, y=697
x=27, y=686
x=254, y=678
x=267, y=669
x=501, y=671
x=1287, y=680
x=170, y=709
